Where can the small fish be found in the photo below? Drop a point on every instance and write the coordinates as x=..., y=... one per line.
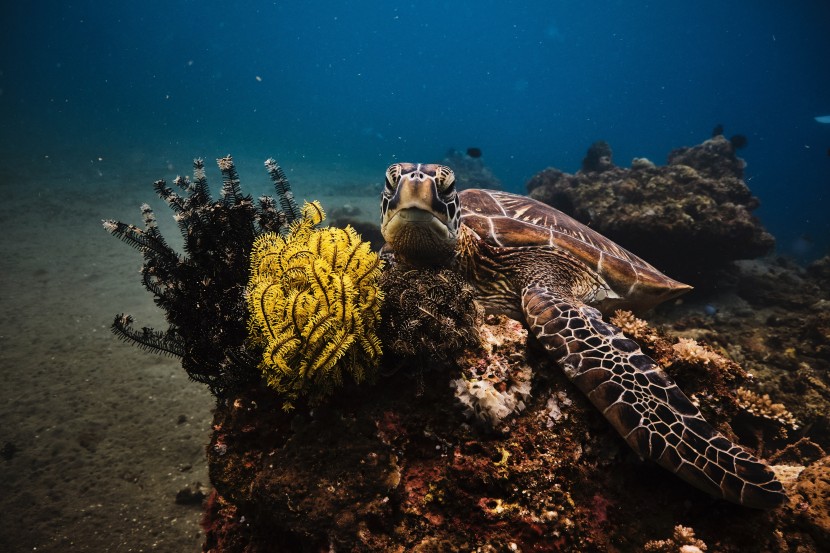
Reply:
x=474, y=153
x=823, y=118
x=718, y=130
x=739, y=141
x=710, y=310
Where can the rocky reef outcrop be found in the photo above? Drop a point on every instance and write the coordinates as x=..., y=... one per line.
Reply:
x=400, y=466
x=470, y=169
x=691, y=217
x=482, y=444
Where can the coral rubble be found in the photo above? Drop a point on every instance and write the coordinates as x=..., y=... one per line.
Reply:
x=690, y=217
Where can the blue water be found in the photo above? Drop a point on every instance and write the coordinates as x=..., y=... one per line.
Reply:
x=368, y=83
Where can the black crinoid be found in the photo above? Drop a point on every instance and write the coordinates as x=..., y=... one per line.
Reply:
x=427, y=314
x=202, y=291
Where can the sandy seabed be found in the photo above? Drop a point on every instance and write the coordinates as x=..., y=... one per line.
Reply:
x=98, y=436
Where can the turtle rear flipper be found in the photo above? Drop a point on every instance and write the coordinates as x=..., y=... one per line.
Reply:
x=643, y=403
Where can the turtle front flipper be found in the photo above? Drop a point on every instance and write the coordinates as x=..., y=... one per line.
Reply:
x=643, y=403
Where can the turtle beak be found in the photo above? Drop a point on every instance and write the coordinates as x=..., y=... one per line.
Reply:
x=417, y=191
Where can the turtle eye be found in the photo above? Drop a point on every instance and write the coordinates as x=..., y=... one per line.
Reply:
x=445, y=179
x=393, y=176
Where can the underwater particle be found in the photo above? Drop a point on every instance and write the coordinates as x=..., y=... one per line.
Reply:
x=474, y=153
x=314, y=300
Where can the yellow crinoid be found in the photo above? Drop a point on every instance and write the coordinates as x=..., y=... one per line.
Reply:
x=314, y=301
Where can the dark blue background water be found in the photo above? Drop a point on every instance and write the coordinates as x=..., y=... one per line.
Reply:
x=368, y=83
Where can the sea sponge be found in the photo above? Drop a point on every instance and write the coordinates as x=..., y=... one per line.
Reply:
x=315, y=302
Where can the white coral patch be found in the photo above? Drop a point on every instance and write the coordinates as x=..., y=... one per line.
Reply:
x=556, y=402
x=496, y=384
x=482, y=399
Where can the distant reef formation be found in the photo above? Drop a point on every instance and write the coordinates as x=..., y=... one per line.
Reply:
x=691, y=218
x=470, y=169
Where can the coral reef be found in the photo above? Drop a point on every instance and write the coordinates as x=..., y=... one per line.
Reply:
x=202, y=292
x=470, y=170
x=315, y=307
x=714, y=159
x=599, y=158
x=691, y=218
x=703, y=372
x=812, y=500
x=776, y=324
x=410, y=475
x=762, y=406
x=682, y=541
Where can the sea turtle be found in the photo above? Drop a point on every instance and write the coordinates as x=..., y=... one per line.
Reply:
x=535, y=263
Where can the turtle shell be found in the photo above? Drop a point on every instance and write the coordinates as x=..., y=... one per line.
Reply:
x=505, y=220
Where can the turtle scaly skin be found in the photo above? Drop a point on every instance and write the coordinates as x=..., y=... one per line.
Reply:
x=532, y=262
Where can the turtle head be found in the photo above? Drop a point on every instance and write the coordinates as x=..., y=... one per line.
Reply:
x=420, y=213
